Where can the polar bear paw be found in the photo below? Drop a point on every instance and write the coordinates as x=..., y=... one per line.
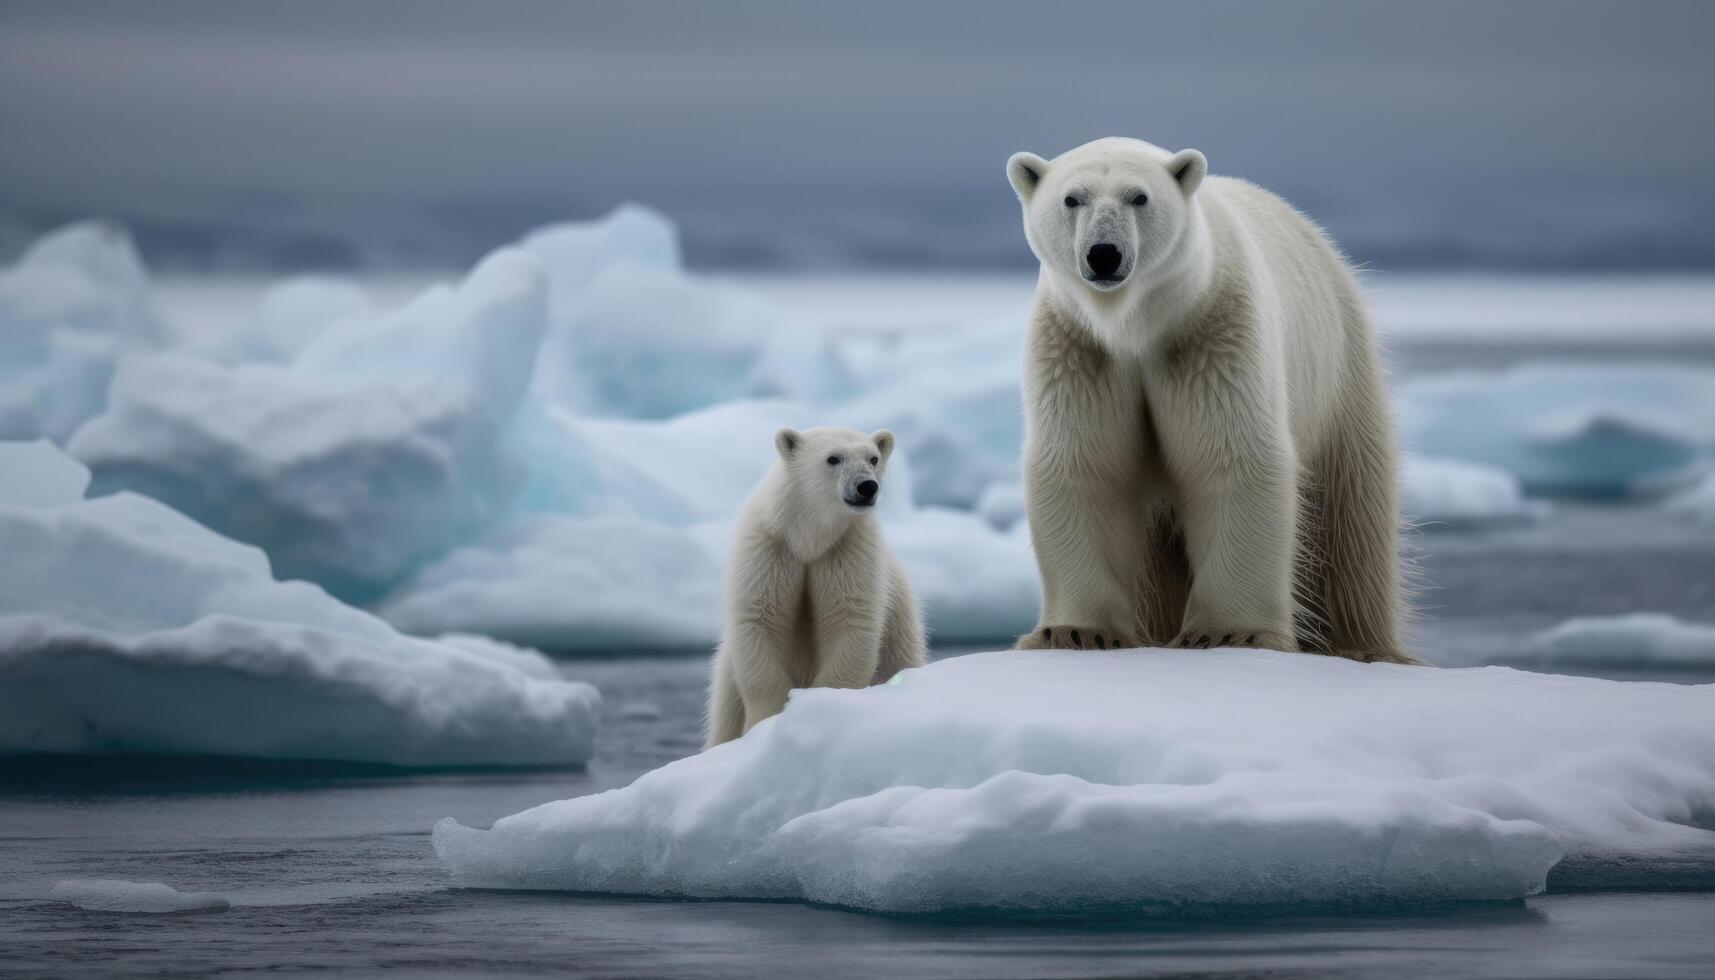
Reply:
x=1257, y=639
x=1073, y=638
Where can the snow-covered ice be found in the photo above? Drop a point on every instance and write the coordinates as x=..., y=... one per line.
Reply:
x=1172, y=780
x=1583, y=430
x=1452, y=493
x=1637, y=641
x=115, y=895
x=127, y=627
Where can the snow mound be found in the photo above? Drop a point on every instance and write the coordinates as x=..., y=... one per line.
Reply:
x=1638, y=640
x=377, y=449
x=1575, y=430
x=1143, y=780
x=76, y=300
x=1452, y=493
x=127, y=627
x=115, y=895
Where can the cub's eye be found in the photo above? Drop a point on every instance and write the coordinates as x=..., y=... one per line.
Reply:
x=1072, y=202
x=834, y=461
x=875, y=460
x=1139, y=200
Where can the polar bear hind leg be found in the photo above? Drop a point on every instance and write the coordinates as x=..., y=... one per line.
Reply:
x=1355, y=535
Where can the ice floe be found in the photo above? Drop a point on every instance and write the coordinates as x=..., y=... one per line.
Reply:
x=1142, y=780
x=114, y=895
x=126, y=627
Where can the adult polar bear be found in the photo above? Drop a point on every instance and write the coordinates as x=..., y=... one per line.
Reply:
x=1209, y=453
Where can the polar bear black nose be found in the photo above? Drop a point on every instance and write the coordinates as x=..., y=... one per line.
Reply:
x=1104, y=259
x=866, y=490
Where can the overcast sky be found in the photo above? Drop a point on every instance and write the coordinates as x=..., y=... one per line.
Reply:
x=784, y=132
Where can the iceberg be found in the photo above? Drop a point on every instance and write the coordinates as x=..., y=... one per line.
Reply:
x=1145, y=780
x=1568, y=430
x=377, y=449
x=126, y=627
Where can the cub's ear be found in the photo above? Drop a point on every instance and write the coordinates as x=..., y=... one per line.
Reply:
x=787, y=440
x=1188, y=167
x=1024, y=171
x=883, y=440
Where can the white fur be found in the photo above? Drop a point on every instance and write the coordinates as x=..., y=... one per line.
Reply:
x=814, y=598
x=1209, y=450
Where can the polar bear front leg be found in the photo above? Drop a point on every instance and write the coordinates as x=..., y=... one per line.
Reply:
x=1235, y=475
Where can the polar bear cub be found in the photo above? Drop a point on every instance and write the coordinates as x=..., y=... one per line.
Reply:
x=814, y=598
x=1209, y=455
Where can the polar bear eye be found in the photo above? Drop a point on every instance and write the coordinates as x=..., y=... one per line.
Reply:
x=1139, y=200
x=1072, y=202
x=875, y=460
x=834, y=461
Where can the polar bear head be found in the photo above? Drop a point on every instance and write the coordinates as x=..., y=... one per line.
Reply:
x=1106, y=213
x=838, y=468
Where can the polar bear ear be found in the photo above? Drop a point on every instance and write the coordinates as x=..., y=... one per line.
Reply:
x=1188, y=167
x=1025, y=171
x=786, y=440
x=883, y=440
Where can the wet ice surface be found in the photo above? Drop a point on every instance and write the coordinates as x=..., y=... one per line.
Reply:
x=332, y=869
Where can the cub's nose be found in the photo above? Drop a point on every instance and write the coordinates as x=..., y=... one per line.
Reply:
x=867, y=489
x=1104, y=260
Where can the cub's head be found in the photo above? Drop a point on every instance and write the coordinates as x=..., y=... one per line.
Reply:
x=842, y=468
x=1107, y=213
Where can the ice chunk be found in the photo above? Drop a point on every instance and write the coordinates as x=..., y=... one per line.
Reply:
x=645, y=343
x=480, y=338
x=37, y=474
x=634, y=336
x=574, y=252
x=86, y=277
x=127, y=627
x=583, y=585
x=294, y=313
x=1696, y=503
x=72, y=304
x=1452, y=493
x=523, y=659
x=961, y=425
x=1142, y=780
x=114, y=895
x=1581, y=430
x=377, y=450
x=1637, y=640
